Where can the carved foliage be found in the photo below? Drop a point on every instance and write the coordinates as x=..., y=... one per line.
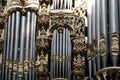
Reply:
x=79, y=47
x=79, y=66
x=42, y=48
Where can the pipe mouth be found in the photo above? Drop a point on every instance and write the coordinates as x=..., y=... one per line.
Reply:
x=60, y=79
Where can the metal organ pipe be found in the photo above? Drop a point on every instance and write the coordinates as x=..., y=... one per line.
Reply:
x=89, y=34
x=103, y=31
x=11, y=45
x=16, y=41
x=6, y=49
x=93, y=35
x=97, y=26
x=60, y=55
x=63, y=53
x=57, y=55
x=113, y=5
x=22, y=40
x=69, y=55
x=34, y=46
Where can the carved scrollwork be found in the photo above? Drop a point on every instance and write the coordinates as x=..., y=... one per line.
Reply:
x=42, y=48
x=79, y=65
x=42, y=67
x=62, y=20
x=115, y=44
x=102, y=45
x=79, y=45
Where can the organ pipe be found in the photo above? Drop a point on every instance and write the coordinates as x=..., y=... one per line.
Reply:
x=89, y=35
x=114, y=37
x=103, y=33
x=97, y=28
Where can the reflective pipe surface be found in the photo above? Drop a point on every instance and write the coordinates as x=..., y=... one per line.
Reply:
x=97, y=26
x=104, y=29
x=113, y=10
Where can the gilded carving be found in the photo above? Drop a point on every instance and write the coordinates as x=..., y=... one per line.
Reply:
x=20, y=70
x=42, y=67
x=102, y=45
x=78, y=67
x=115, y=44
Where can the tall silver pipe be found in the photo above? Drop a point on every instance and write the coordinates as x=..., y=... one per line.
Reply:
x=31, y=35
x=89, y=10
x=60, y=62
x=69, y=55
x=52, y=59
x=97, y=26
x=66, y=52
x=22, y=40
x=31, y=43
x=4, y=68
x=16, y=39
x=93, y=20
x=63, y=53
x=113, y=5
x=12, y=35
x=17, y=34
x=11, y=45
x=55, y=51
x=103, y=29
x=34, y=47
x=57, y=54
x=6, y=49
x=27, y=35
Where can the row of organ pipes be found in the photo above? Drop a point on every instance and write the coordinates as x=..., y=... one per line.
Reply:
x=62, y=4
x=61, y=54
x=103, y=33
x=19, y=46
